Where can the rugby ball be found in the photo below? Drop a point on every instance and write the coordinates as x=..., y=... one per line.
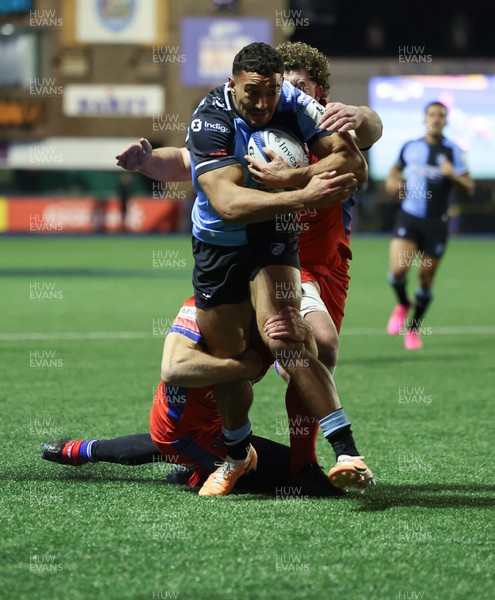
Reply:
x=283, y=143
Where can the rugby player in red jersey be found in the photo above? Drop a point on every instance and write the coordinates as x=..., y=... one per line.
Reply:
x=185, y=423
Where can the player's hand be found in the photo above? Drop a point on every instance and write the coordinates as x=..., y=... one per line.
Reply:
x=395, y=188
x=341, y=117
x=288, y=323
x=447, y=168
x=327, y=189
x=133, y=156
x=274, y=174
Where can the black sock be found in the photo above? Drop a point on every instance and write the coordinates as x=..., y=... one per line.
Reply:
x=239, y=450
x=422, y=300
x=137, y=449
x=343, y=442
x=399, y=285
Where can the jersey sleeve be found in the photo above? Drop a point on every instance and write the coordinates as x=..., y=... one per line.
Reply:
x=210, y=140
x=185, y=322
x=459, y=161
x=401, y=161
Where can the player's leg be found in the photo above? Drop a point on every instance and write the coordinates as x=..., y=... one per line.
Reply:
x=303, y=425
x=132, y=450
x=401, y=254
x=273, y=474
x=424, y=295
x=326, y=337
x=225, y=330
x=271, y=477
x=224, y=315
x=309, y=375
x=435, y=233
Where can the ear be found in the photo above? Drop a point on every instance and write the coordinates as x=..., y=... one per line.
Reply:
x=318, y=92
x=232, y=85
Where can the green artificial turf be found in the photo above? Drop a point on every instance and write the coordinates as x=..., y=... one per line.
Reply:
x=424, y=421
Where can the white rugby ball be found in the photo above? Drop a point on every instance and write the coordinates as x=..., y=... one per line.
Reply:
x=283, y=143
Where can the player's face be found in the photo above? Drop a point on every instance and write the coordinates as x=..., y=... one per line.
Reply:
x=256, y=96
x=435, y=120
x=300, y=79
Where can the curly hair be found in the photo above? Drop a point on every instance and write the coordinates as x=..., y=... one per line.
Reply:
x=258, y=58
x=298, y=55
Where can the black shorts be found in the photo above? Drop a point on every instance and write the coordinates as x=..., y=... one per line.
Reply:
x=429, y=234
x=222, y=274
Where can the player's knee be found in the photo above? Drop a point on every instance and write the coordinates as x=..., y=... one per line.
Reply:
x=425, y=279
x=328, y=350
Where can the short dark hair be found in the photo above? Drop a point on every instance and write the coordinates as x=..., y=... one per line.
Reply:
x=258, y=58
x=298, y=55
x=436, y=103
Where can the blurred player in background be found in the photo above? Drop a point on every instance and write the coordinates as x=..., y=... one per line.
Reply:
x=433, y=165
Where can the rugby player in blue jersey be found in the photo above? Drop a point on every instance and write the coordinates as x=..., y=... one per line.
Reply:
x=433, y=165
x=241, y=257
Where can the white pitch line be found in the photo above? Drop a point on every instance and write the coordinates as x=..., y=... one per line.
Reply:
x=75, y=335
x=142, y=335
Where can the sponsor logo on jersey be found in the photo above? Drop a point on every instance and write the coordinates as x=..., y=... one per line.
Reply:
x=277, y=249
x=216, y=127
x=218, y=103
x=198, y=125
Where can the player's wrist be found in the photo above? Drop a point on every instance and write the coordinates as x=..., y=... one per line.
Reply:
x=297, y=178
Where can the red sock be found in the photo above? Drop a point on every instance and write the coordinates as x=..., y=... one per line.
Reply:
x=303, y=428
x=195, y=478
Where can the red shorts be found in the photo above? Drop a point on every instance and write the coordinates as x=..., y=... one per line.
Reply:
x=193, y=439
x=333, y=287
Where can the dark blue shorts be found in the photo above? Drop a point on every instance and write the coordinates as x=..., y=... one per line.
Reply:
x=429, y=234
x=222, y=274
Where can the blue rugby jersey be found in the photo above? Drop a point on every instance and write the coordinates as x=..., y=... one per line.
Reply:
x=427, y=190
x=218, y=137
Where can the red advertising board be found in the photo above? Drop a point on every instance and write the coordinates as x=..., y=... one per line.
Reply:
x=85, y=214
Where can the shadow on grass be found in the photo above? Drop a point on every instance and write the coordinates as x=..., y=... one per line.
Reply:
x=76, y=474
x=437, y=495
x=378, y=498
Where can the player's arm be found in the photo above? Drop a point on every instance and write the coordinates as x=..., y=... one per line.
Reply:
x=238, y=204
x=337, y=152
x=361, y=122
x=340, y=155
x=395, y=184
x=463, y=181
x=184, y=363
x=161, y=164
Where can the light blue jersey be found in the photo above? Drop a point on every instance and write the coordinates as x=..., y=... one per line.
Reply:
x=427, y=190
x=218, y=137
